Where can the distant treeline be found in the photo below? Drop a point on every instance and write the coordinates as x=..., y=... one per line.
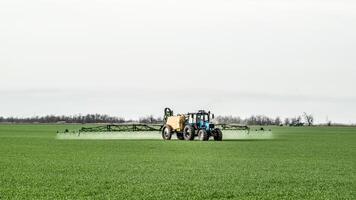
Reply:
x=90, y=118
x=99, y=118
x=82, y=119
x=264, y=120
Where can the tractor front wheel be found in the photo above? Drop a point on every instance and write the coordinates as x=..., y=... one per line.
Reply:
x=203, y=135
x=167, y=132
x=218, y=135
x=189, y=132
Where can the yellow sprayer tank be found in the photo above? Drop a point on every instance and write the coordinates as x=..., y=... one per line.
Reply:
x=176, y=122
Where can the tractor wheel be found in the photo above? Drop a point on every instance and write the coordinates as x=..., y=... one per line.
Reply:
x=189, y=132
x=180, y=136
x=203, y=135
x=218, y=135
x=167, y=132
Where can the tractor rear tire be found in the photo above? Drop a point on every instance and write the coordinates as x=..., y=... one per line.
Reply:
x=218, y=135
x=167, y=132
x=203, y=135
x=189, y=132
x=180, y=136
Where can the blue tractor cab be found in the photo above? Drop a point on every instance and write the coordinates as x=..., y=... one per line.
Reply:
x=199, y=124
x=200, y=120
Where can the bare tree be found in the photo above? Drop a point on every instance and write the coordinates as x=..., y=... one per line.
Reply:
x=286, y=122
x=277, y=121
x=296, y=121
x=329, y=123
x=309, y=119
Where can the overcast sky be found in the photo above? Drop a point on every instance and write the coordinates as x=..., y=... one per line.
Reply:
x=133, y=58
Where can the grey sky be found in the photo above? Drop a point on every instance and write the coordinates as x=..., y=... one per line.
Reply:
x=132, y=58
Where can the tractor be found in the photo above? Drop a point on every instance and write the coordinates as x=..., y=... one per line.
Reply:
x=189, y=126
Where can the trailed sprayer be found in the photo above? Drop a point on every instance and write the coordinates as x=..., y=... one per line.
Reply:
x=184, y=126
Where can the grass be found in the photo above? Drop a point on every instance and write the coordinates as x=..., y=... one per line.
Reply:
x=300, y=163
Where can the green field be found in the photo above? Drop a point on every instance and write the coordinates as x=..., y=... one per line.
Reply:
x=299, y=163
